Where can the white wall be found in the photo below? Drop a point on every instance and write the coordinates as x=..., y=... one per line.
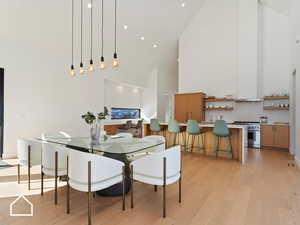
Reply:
x=35, y=53
x=275, y=51
x=208, y=50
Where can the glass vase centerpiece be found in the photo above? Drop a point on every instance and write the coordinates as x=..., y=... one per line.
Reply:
x=95, y=123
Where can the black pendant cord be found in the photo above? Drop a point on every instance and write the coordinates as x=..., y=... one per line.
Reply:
x=92, y=6
x=81, y=25
x=102, y=28
x=115, y=26
x=72, y=33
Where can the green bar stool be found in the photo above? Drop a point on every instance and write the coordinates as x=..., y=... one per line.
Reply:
x=194, y=130
x=220, y=131
x=174, y=129
x=154, y=126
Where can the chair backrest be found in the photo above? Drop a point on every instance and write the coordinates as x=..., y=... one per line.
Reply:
x=193, y=127
x=173, y=126
x=128, y=124
x=158, y=139
x=48, y=152
x=152, y=165
x=154, y=125
x=139, y=124
x=220, y=128
x=125, y=135
x=102, y=168
x=35, y=152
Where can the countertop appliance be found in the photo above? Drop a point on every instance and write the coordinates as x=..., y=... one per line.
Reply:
x=253, y=128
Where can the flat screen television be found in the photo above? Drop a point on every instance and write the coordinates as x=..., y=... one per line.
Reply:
x=125, y=113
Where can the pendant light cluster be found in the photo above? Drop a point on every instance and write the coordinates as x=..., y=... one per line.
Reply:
x=92, y=67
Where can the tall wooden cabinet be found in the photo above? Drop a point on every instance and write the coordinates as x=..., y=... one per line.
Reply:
x=189, y=107
x=275, y=136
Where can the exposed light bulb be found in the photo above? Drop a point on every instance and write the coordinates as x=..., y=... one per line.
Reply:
x=81, y=69
x=90, y=5
x=142, y=38
x=115, y=61
x=91, y=66
x=102, y=63
x=125, y=27
x=183, y=4
x=72, y=71
x=155, y=46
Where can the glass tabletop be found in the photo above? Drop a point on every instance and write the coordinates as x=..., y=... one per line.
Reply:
x=111, y=144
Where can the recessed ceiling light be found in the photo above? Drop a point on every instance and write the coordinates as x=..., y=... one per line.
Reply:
x=90, y=5
x=142, y=38
x=183, y=4
x=125, y=27
x=155, y=46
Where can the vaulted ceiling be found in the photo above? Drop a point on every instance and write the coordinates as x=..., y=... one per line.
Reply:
x=47, y=25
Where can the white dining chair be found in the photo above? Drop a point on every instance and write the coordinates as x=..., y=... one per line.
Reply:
x=152, y=138
x=157, y=139
x=90, y=173
x=54, y=160
x=159, y=169
x=125, y=135
x=29, y=154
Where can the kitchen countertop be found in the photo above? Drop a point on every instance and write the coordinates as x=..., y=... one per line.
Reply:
x=209, y=125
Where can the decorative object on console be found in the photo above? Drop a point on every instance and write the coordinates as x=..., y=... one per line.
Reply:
x=96, y=123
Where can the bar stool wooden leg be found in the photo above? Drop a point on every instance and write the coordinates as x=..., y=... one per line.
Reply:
x=188, y=140
x=193, y=141
x=155, y=188
x=217, y=147
x=230, y=146
x=175, y=139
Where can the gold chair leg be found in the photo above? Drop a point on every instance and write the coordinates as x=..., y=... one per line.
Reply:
x=131, y=190
x=29, y=165
x=19, y=174
x=123, y=174
x=89, y=195
x=68, y=188
x=42, y=181
x=56, y=175
x=164, y=190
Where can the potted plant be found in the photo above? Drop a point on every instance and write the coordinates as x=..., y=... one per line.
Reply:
x=95, y=121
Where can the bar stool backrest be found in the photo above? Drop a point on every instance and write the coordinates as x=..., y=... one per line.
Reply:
x=173, y=126
x=154, y=125
x=193, y=127
x=221, y=129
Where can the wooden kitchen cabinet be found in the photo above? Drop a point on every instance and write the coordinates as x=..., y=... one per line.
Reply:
x=275, y=136
x=189, y=107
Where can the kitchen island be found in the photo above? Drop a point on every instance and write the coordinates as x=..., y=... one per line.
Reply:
x=237, y=135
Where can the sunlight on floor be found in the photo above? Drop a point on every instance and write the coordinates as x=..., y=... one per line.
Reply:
x=11, y=188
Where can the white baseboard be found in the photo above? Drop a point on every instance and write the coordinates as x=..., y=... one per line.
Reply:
x=297, y=161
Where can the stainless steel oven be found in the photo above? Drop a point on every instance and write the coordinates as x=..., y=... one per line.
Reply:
x=254, y=136
x=253, y=133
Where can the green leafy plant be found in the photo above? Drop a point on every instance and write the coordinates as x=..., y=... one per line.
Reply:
x=90, y=117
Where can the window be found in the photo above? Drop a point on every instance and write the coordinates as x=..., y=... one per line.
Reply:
x=125, y=113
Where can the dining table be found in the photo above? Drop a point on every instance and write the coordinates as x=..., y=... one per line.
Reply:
x=117, y=147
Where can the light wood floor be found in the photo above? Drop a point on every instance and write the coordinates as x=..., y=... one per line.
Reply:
x=266, y=191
